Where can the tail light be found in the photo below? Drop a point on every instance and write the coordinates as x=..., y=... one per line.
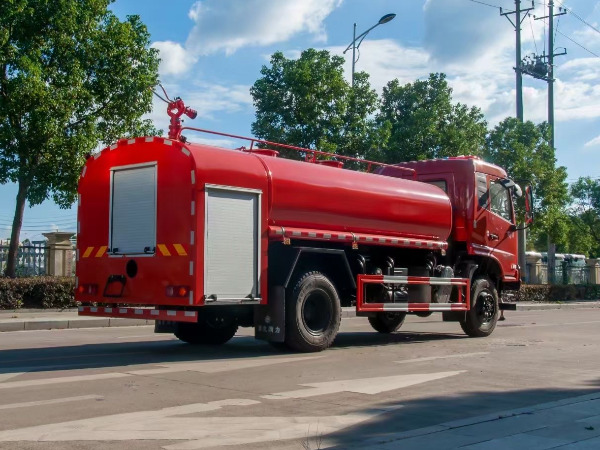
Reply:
x=88, y=289
x=177, y=291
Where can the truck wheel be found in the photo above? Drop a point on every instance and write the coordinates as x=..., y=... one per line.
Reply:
x=387, y=322
x=481, y=319
x=206, y=332
x=313, y=314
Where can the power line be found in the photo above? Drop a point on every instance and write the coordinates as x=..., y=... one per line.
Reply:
x=532, y=33
x=484, y=3
x=577, y=16
x=578, y=44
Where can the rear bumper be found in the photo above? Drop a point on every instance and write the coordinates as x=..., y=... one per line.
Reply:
x=171, y=315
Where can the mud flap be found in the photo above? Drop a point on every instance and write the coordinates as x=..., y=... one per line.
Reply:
x=269, y=320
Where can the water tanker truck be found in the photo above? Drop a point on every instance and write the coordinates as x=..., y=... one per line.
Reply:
x=204, y=240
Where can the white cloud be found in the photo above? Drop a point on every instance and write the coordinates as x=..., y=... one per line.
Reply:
x=228, y=25
x=593, y=142
x=175, y=59
x=457, y=31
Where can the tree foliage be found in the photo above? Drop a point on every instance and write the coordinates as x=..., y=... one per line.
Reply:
x=307, y=102
x=523, y=150
x=71, y=75
x=585, y=215
x=426, y=124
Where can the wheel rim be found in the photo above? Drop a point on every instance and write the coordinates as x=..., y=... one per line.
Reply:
x=316, y=312
x=486, y=307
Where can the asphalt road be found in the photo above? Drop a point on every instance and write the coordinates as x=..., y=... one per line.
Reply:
x=126, y=388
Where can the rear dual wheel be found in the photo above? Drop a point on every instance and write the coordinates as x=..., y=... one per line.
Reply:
x=211, y=329
x=387, y=322
x=313, y=313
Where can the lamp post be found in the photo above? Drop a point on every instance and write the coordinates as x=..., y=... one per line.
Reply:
x=360, y=38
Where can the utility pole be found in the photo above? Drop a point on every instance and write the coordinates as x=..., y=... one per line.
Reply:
x=521, y=236
x=550, y=79
x=517, y=24
x=550, y=58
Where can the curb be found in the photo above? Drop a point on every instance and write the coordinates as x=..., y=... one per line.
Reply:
x=45, y=323
x=63, y=324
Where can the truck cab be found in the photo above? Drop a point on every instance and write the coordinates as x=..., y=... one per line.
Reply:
x=483, y=214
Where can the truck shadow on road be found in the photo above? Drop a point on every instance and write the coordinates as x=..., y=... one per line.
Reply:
x=126, y=354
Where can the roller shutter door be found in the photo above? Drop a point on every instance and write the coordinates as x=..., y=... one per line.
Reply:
x=133, y=215
x=231, y=245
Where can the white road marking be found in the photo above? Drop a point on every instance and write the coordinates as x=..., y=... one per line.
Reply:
x=51, y=402
x=432, y=358
x=222, y=365
x=199, y=432
x=362, y=386
x=8, y=376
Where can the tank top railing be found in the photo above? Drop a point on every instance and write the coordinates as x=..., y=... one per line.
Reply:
x=311, y=155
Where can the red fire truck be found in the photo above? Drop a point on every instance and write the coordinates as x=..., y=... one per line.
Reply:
x=204, y=240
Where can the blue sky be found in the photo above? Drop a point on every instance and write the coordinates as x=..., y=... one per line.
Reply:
x=213, y=50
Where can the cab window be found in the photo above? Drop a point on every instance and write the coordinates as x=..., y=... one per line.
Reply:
x=500, y=203
x=439, y=183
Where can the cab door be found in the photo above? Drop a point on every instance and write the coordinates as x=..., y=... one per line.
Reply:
x=501, y=235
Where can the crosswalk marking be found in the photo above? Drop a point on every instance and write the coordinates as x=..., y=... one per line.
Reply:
x=362, y=386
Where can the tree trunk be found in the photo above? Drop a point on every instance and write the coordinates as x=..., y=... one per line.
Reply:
x=11, y=266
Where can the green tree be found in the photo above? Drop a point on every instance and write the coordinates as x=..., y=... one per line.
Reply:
x=307, y=102
x=523, y=150
x=71, y=75
x=585, y=215
x=426, y=124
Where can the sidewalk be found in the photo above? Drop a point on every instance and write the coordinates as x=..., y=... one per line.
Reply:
x=50, y=319
x=572, y=423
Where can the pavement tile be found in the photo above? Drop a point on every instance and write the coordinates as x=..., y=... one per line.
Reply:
x=439, y=441
x=590, y=444
x=521, y=441
x=574, y=431
x=9, y=325
x=41, y=324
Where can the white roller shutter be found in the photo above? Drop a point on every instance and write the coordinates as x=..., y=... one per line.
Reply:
x=231, y=246
x=133, y=210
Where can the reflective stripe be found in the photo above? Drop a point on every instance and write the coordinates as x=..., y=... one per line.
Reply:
x=164, y=250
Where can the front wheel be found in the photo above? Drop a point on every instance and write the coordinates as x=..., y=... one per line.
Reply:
x=481, y=319
x=387, y=322
x=313, y=314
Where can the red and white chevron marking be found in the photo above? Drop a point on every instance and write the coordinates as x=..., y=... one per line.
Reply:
x=338, y=236
x=140, y=313
x=462, y=283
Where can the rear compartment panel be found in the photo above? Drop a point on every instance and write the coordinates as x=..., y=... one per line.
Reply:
x=170, y=261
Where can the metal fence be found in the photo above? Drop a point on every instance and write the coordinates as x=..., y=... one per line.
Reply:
x=566, y=274
x=32, y=258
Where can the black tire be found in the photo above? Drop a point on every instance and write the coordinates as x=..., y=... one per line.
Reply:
x=208, y=331
x=481, y=319
x=387, y=322
x=313, y=314
x=423, y=313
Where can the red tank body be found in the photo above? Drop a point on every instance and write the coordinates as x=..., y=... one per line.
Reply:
x=320, y=197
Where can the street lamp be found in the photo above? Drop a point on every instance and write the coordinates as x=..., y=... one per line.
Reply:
x=360, y=38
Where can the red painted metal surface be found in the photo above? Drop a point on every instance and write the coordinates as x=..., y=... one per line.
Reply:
x=139, y=313
x=363, y=306
x=170, y=264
